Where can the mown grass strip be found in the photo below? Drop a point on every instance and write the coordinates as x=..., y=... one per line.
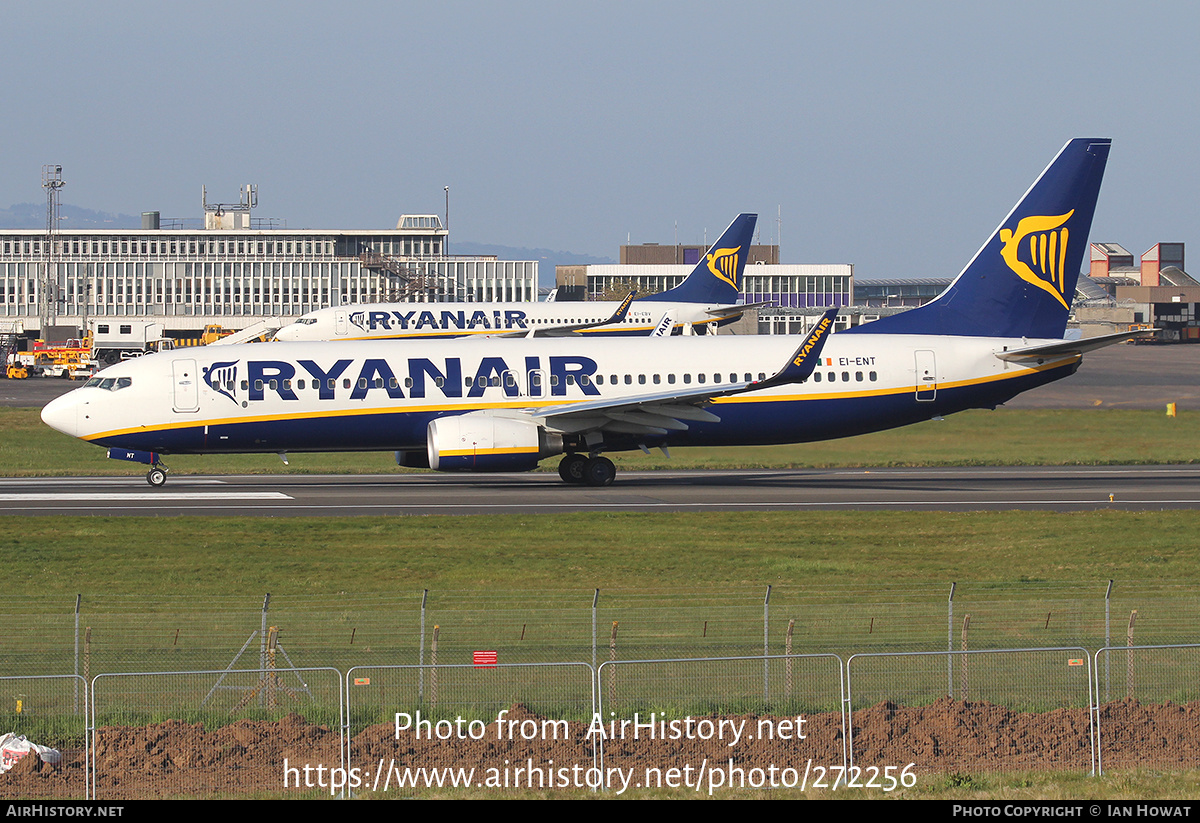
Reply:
x=206, y=556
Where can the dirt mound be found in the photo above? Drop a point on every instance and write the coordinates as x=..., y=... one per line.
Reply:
x=247, y=758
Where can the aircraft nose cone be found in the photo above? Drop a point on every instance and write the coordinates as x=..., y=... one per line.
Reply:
x=286, y=333
x=62, y=414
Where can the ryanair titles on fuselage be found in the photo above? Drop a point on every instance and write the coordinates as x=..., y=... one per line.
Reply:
x=417, y=319
x=419, y=377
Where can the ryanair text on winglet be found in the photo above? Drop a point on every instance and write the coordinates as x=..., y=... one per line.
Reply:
x=813, y=340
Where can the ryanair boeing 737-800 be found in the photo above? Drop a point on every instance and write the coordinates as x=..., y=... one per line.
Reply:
x=707, y=298
x=506, y=404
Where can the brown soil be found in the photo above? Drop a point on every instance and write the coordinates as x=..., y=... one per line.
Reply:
x=247, y=758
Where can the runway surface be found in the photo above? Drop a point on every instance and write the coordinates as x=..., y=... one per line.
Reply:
x=1128, y=488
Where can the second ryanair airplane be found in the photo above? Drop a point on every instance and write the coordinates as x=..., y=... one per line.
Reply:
x=705, y=299
x=506, y=404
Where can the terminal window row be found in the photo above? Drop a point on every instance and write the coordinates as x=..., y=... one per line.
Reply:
x=179, y=246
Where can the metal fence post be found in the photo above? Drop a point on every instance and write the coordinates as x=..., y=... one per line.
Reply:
x=950, y=643
x=262, y=636
x=766, y=642
x=595, y=601
x=421, y=650
x=78, y=600
x=1108, y=640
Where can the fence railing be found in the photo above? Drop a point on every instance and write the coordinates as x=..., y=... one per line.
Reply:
x=112, y=633
x=879, y=720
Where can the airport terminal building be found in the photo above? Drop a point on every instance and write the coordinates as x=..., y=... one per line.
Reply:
x=233, y=275
x=795, y=292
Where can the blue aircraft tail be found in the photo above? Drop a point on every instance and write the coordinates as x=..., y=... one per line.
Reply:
x=1020, y=284
x=717, y=278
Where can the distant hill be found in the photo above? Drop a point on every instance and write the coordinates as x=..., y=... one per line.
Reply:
x=33, y=216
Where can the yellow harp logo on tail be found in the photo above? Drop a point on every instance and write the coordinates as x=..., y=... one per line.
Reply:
x=1047, y=249
x=723, y=263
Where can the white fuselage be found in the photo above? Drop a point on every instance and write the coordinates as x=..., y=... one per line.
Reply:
x=354, y=396
x=384, y=321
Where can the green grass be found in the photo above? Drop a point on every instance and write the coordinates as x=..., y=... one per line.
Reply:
x=179, y=593
x=49, y=557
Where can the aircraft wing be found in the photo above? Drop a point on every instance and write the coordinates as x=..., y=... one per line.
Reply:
x=619, y=315
x=1079, y=346
x=660, y=412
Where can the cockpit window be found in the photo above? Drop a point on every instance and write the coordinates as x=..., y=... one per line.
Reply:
x=109, y=383
x=307, y=321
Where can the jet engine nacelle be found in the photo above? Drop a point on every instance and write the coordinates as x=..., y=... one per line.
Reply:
x=485, y=442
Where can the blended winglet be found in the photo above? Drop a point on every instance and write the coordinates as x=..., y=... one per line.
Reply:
x=618, y=316
x=807, y=356
x=664, y=327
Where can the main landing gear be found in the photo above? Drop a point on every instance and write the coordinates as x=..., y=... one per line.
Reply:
x=581, y=470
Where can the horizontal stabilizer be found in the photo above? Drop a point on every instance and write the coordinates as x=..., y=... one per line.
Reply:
x=738, y=308
x=1065, y=347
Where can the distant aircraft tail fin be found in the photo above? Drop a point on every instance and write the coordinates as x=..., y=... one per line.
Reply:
x=1020, y=284
x=717, y=278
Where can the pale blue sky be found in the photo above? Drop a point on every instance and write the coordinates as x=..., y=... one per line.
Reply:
x=889, y=135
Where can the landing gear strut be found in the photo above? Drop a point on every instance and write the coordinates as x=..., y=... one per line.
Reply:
x=579, y=470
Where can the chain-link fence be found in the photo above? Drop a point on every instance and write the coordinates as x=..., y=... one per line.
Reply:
x=36, y=710
x=473, y=725
x=721, y=723
x=86, y=636
x=1010, y=710
x=213, y=734
x=1148, y=707
x=877, y=720
x=975, y=705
